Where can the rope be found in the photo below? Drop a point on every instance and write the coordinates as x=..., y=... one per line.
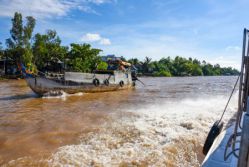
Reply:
x=232, y=139
x=229, y=99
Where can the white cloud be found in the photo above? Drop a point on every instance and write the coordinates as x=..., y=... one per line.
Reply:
x=99, y=1
x=87, y=9
x=89, y=37
x=105, y=41
x=47, y=8
x=233, y=48
x=36, y=8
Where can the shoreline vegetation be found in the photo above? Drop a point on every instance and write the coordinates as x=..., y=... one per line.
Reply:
x=35, y=51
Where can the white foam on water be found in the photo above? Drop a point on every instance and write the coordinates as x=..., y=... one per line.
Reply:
x=59, y=95
x=195, y=112
x=169, y=133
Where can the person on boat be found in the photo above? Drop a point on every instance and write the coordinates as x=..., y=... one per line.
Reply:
x=121, y=66
x=112, y=65
x=124, y=65
x=118, y=65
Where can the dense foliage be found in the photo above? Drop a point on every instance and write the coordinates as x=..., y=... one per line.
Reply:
x=102, y=66
x=19, y=45
x=39, y=49
x=83, y=58
x=180, y=66
x=47, y=47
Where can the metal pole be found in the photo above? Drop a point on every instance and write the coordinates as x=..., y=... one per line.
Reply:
x=240, y=108
x=243, y=93
x=244, y=142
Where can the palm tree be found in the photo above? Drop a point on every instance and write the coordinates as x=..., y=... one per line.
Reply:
x=146, y=64
x=134, y=61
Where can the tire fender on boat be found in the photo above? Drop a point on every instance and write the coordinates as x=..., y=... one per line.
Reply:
x=106, y=82
x=133, y=83
x=213, y=133
x=121, y=83
x=96, y=82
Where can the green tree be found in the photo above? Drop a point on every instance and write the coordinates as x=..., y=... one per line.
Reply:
x=27, y=32
x=133, y=61
x=146, y=64
x=217, y=69
x=161, y=68
x=122, y=58
x=182, y=66
x=83, y=58
x=40, y=50
x=208, y=69
x=102, y=66
x=195, y=61
x=196, y=70
x=229, y=71
x=162, y=74
x=19, y=44
x=28, y=29
x=16, y=31
x=47, y=47
x=136, y=63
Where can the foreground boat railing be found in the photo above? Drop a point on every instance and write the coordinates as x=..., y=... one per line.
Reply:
x=244, y=143
x=243, y=104
x=241, y=132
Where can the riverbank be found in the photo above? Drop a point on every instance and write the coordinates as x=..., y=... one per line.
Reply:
x=155, y=75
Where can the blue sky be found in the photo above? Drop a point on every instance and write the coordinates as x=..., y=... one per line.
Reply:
x=209, y=30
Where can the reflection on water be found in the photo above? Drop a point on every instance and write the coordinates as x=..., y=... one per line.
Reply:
x=164, y=123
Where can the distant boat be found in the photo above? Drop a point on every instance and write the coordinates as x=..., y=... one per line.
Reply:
x=74, y=82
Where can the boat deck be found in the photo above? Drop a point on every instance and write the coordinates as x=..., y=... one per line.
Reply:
x=215, y=156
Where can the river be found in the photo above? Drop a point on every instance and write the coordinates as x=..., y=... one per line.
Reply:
x=161, y=124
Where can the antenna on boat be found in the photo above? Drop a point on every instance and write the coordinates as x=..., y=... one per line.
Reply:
x=141, y=82
x=136, y=78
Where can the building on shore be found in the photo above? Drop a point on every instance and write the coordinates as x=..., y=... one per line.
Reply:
x=110, y=57
x=54, y=65
x=8, y=68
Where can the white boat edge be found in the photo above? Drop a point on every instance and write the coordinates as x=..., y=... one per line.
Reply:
x=216, y=154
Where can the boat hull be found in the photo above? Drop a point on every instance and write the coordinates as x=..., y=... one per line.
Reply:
x=42, y=85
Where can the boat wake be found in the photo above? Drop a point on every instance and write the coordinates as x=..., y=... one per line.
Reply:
x=59, y=94
x=165, y=134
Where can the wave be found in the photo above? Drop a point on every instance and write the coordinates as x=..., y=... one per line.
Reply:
x=59, y=94
x=170, y=133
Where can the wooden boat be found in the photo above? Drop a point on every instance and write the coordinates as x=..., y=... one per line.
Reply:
x=74, y=82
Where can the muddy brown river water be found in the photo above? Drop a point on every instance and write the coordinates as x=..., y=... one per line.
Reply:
x=162, y=124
